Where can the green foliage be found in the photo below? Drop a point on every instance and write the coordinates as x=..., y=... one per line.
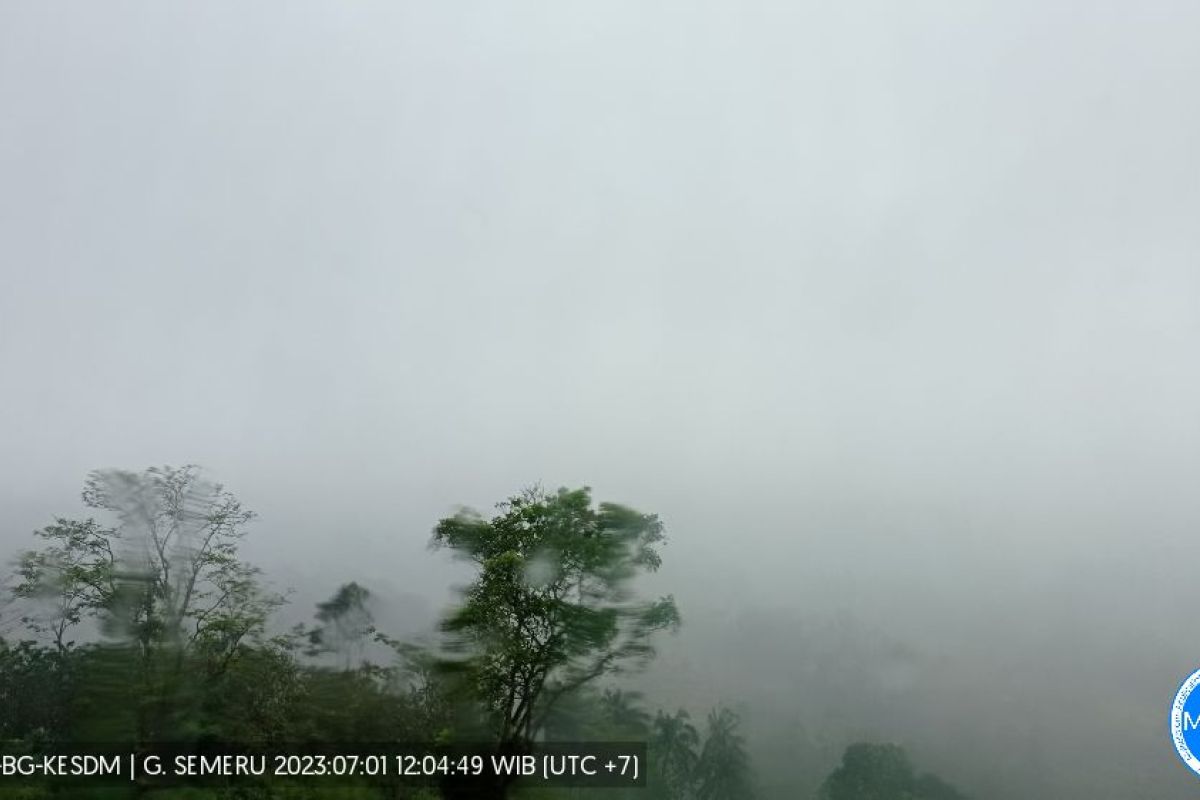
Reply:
x=674, y=754
x=36, y=685
x=167, y=575
x=550, y=608
x=261, y=697
x=931, y=787
x=185, y=582
x=723, y=772
x=177, y=604
x=623, y=715
x=681, y=765
x=71, y=578
x=882, y=772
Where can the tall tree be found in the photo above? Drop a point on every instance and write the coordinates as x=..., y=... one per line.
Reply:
x=346, y=623
x=550, y=608
x=723, y=771
x=165, y=580
x=623, y=714
x=188, y=586
x=674, y=745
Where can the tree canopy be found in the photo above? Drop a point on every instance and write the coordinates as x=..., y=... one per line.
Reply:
x=551, y=607
x=882, y=772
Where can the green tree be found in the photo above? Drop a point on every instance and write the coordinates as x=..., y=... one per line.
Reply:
x=575, y=718
x=72, y=578
x=187, y=585
x=674, y=747
x=260, y=697
x=882, y=772
x=551, y=608
x=623, y=715
x=165, y=581
x=724, y=769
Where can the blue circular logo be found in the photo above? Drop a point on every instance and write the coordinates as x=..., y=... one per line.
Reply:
x=1185, y=722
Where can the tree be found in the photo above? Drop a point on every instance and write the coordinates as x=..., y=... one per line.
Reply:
x=551, y=607
x=674, y=744
x=70, y=579
x=165, y=581
x=186, y=584
x=346, y=622
x=622, y=714
x=870, y=772
x=882, y=772
x=724, y=769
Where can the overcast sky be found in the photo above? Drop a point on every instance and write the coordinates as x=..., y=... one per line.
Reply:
x=883, y=307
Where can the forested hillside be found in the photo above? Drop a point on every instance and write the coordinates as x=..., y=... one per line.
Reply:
x=143, y=626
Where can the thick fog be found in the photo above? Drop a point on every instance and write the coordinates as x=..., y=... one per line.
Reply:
x=890, y=311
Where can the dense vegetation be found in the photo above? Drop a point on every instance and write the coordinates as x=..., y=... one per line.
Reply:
x=145, y=625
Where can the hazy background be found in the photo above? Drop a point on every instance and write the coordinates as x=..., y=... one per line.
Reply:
x=891, y=311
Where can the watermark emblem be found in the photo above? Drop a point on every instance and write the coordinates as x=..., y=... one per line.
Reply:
x=1185, y=722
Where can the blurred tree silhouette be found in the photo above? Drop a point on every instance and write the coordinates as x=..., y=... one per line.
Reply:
x=882, y=772
x=166, y=583
x=68, y=580
x=674, y=749
x=346, y=624
x=723, y=771
x=623, y=715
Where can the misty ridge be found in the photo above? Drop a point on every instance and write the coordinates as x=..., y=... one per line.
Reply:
x=871, y=326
